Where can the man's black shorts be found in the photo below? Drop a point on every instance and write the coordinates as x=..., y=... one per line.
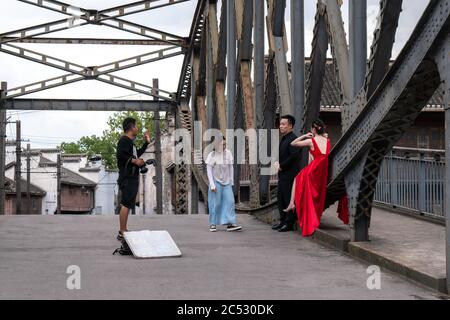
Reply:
x=129, y=190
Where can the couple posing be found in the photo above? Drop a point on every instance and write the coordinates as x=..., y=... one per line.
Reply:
x=301, y=194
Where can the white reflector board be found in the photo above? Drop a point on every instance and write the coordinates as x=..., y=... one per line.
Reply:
x=152, y=244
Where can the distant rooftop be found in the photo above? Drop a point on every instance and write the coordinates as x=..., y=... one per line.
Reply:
x=10, y=188
x=68, y=177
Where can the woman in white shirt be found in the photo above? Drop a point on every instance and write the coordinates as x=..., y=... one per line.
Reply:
x=221, y=180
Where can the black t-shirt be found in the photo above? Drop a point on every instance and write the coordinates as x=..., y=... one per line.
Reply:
x=289, y=158
x=125, y=153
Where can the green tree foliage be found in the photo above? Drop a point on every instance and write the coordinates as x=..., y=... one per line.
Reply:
x=105, y=146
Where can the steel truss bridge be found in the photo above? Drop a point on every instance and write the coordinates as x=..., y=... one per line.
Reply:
x=230, y=81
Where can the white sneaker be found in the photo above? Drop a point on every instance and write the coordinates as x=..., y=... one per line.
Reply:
x=213, y=228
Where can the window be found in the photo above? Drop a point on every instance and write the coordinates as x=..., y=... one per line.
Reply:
x=423, y=139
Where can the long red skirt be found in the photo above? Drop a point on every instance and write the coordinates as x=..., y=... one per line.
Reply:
x=310, y=193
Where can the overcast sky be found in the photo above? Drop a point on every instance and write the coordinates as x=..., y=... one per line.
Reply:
x=48, y=129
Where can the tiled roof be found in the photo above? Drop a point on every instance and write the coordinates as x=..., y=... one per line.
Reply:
x=10, y=188
x=69, y=177
x=45, y=162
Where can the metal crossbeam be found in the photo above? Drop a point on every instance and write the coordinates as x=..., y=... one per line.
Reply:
x=88, y=105
x=81, y=17
x=100, y=73
x=137, y=7
x=316, y=69
x=339, y=45
x=40, y=29
x=43, y=85
x=136, y=87
x=95, y=41
x=383, y=42
x=101, y=15
x=141, y=30
x=58, y=6
x=279, y=46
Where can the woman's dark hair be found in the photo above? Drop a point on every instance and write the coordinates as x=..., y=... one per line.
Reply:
x=128, y=124
x=320, y=126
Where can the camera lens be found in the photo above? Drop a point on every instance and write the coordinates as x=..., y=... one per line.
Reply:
x=144, y=170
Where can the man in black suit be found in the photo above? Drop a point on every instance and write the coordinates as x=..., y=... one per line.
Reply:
x=289, y=167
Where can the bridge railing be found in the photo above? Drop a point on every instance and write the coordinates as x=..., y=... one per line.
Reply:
x=413, y=179
x=409, y=179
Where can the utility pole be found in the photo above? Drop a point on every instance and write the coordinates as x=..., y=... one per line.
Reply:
x=28, y=180
x=3, y=88
x=158, y=168
x=58, y=187
x=18, y=172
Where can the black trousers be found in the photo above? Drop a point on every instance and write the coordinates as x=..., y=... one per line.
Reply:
x=284, y=198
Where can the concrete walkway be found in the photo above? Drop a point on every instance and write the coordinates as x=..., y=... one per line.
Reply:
x=257, y=263
x=409, y=246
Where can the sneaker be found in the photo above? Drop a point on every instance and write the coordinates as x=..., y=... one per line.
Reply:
x=234, y=227
x=213, y=228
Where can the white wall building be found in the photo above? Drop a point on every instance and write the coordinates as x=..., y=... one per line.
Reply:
x=43, y=168
x=43, y=173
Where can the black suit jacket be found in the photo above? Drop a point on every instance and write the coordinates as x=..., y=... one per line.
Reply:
x=289, y=158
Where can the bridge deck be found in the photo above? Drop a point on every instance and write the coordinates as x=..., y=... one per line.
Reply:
x=409, y=246
x=255, y=264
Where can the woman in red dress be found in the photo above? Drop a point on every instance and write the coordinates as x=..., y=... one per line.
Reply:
x=310, y=186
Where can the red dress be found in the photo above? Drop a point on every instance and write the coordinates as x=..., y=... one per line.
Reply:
x=310, y=192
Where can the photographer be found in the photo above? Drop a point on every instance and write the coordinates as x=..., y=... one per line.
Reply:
x=129, y=162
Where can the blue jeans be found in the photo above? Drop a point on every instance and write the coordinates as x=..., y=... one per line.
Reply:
x=221, y=205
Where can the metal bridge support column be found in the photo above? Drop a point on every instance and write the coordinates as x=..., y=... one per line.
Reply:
x=158, y=155
x=441, y=59
x=211, y=54
x=359, y=223
x=231, y=62
x=447, y=175
x=298, y=61
x=3, y=88
x=359, y=220
x=245, y=111
x=280, y=46
x=194, y=195
x=182, y=172
x=358, y=44
x=259, y=85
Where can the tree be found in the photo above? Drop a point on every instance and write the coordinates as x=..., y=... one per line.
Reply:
x=71, y=147
x=105, y=146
